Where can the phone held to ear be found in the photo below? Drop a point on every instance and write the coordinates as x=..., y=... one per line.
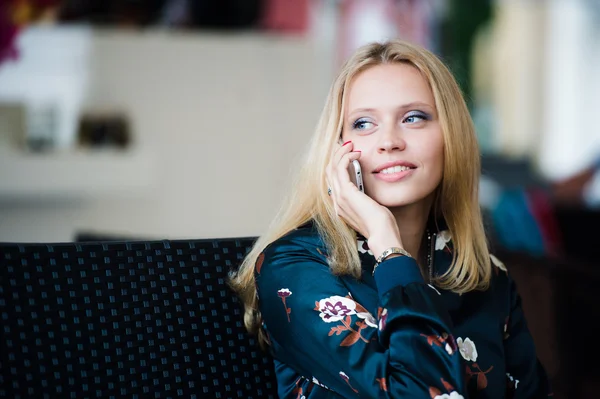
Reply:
x=355, y=172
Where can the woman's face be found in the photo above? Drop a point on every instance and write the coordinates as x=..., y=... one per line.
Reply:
x=391, y=118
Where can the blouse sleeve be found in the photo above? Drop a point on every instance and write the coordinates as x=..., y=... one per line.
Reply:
x=317, y=328
x=527, y=377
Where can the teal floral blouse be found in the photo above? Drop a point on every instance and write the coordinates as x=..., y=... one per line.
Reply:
x=391, y=335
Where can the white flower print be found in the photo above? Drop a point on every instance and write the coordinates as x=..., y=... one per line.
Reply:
x=433, y=288
x=341, y=309
x=335, y=308
x=368, y=318
x=443, y=237
x=452, y=395
x=510, y=377
x=467, y=349
x=363, y=247
x=363, y=314
x=498, y=263
x=316, y=382
x=449, y=349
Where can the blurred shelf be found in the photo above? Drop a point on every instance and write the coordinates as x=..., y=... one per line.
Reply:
x=74, y=175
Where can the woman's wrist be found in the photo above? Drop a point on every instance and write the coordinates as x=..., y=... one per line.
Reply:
x=377, y=246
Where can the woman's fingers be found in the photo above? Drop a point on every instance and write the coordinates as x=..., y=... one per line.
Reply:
x=342, y=188
x=341, y=151
x=333, y=173
x=342, y=169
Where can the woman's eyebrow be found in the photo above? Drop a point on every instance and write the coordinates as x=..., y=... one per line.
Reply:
x=413, y=104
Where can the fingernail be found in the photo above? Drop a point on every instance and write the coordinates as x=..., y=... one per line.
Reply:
x=349, y=141
x=359, y=151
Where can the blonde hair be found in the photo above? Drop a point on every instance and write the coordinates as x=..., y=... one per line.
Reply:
x=456, y=199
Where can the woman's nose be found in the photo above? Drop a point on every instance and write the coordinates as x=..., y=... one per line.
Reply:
x=391, y=140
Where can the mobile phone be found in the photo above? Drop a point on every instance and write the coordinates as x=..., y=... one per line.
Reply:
x=355, y=172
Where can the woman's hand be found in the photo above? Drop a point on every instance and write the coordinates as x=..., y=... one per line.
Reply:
x=374, y=221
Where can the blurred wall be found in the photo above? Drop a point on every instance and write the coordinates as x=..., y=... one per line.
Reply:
x=223, y=119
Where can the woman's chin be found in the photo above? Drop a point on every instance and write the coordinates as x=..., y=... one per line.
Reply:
x=396, y=200
x=390, y=201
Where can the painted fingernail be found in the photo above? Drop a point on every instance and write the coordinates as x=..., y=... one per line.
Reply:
x=359, y=151
x=349, y=141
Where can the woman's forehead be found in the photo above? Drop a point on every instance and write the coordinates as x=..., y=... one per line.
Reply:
x=387, y=86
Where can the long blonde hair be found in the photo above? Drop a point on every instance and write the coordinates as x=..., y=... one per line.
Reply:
x=456, y=199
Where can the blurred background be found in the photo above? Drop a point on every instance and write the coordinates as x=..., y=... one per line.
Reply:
x=186, y=119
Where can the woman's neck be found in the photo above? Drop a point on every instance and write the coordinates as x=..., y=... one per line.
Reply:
x=412, y=221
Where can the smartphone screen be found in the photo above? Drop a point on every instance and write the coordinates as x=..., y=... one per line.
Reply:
x=355, y=172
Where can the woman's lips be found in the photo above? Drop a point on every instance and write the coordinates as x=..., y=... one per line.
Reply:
x=394, y=177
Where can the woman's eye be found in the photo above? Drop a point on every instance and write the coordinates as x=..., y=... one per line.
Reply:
x=362, y=124
x=415, y=117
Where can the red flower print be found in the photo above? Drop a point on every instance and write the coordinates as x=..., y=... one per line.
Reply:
x=382, y=384
x=347, y=379
x=481, y=378
x=259, y=262
x=323, y=254
x=445, y=340
x=284, y=293
x=447, y=385
x=383, y=319
x=298, y=390
x=450, y=341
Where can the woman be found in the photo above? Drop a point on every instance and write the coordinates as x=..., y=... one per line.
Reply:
x=391, y=292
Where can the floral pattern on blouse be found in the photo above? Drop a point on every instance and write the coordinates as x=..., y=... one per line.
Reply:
x=474, y=370
x=498, y=263
x=446, y=340
x=442, y=240
x=382, y=384
x=341, y=309
x=382, y=318
x=363, y=247
x=347, y=379
x=335, y=338
x=283, y=294
x=467, y=349
x=259, y=262
x=435, y=393
x=452, y=395
x=514, y=383
x=505, y=331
